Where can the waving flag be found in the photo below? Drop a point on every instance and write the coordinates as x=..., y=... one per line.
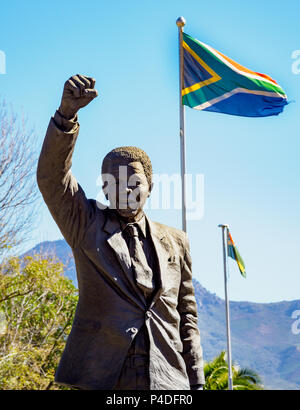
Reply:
x=214, y=82
x=234, y=254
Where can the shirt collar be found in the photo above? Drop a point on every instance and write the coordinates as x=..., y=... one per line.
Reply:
x=141, y=223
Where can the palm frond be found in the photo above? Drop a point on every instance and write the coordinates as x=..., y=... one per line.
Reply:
x=216, y=375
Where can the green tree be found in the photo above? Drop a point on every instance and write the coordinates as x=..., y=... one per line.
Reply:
x=37, y=304
x=216, y=376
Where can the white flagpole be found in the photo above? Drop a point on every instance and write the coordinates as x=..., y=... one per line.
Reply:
x=180, y=24
x=225, y=256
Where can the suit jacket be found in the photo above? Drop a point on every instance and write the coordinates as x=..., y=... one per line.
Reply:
x=111, y=308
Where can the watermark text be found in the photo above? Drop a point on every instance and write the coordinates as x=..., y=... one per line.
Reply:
x=296, y=324
x=296, y=64
x=122, y=191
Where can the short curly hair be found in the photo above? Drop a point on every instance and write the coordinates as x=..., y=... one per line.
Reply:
x=129, y=154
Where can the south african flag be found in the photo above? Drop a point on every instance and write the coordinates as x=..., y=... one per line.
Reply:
x=214, y=82
x=234, y=254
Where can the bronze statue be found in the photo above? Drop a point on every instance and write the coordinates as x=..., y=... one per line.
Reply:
x=135, y=326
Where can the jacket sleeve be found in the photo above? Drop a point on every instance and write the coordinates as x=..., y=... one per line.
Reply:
x=63, y=195
x=189, y=332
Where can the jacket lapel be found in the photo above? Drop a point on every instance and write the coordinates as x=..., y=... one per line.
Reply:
x=161, y=246
x=118, y=244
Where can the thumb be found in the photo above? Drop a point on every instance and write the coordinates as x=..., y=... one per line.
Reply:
x=90, y=93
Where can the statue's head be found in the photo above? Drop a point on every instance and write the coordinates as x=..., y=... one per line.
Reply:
x=127, y=180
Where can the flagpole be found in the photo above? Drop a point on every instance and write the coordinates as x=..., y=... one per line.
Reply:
x=180, y=24
x=225, y=256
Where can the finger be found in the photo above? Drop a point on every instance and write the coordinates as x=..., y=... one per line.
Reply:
x=91, y=93
x=85, y=80
x=73, y=87
x=92, y=82
x=76, y=80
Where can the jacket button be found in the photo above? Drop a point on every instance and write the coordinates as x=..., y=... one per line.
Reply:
x=148, y=313
x=132, y=330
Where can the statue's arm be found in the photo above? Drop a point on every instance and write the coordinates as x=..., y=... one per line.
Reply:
x=61, y=192
x=189, y=332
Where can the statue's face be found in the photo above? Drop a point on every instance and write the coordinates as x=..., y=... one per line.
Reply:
x=126, y=187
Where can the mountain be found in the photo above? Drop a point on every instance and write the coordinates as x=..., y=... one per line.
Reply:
x=60, y=250
x=261, y=336
x=261, y=333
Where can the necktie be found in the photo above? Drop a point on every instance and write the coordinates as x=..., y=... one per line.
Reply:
x=143, y=272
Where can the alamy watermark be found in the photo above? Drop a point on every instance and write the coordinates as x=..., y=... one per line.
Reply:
x=123, y=192
x=296, y=324
x=296, y=64
x=2, y=62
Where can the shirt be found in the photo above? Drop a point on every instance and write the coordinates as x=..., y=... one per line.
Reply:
x=140, y=344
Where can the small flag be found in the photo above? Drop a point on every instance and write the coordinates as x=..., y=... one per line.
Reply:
x=214, y=82
x=234, y=254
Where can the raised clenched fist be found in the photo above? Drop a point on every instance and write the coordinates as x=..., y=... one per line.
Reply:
x=78, y=92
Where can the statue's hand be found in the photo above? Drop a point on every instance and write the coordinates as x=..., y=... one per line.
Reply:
x=78, y=92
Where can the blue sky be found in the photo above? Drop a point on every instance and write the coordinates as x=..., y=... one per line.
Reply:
x=250, y=166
